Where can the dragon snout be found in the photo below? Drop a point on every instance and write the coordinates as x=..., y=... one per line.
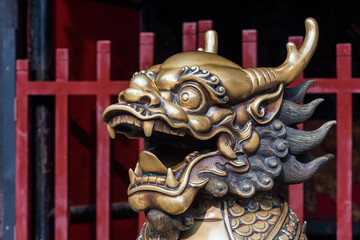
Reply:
x=135, y=95
x=142, y=90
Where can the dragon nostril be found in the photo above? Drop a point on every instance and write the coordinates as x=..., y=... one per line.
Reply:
x=121, y=98
x=145, y=100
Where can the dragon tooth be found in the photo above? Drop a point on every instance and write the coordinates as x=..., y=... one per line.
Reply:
x=137, y=122
x=158, y=126
x=138, y=170
x=123, y=119
x=166, y=129
x=148, y=128
x=111, y=131
x=170, y=179
x=160, y=181
x=118, y=119
x=130, y=119
x=152, y=179
x=132, y=177
x=181, y=133
x=145, y=180
x=173, y=132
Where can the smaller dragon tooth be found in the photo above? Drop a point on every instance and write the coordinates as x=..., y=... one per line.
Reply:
x=137, y=122
x=152, y=179
x=181, y=133
x=145, y=180
x=170, y=179
x=123, y=119
x=132, y=177
x=173, y=132
x=148, y=128
x=160, y=181
x=130, y=119
x=166, y=129
x=110, y=130
x=138, y=170
x=118, y=119
x=138, y=181
x=158, y=126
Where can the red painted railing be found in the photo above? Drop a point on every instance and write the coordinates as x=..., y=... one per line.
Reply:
x=103, y=88
x=193, y=37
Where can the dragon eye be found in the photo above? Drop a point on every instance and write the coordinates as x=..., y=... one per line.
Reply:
x=189, y=98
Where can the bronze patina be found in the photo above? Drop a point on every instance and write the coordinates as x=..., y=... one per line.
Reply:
x=217, y=139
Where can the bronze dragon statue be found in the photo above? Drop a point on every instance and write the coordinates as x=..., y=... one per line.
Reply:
x=217, y=139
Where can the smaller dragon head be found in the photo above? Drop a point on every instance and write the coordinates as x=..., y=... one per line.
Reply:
x=210, y=124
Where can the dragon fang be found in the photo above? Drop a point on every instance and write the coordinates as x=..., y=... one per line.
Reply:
x=217, y=138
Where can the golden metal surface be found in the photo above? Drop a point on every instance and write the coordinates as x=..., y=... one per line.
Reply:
x=216, y=138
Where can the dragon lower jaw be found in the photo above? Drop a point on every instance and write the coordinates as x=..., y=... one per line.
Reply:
x=174, y=205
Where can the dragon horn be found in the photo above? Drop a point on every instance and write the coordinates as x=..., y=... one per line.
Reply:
x=211, y=42
x=295, y=62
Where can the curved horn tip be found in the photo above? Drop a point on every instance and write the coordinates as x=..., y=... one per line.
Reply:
x=330, y=156
x=290, y=47
x=331, y=123
x=316, y=102
x=311, y=22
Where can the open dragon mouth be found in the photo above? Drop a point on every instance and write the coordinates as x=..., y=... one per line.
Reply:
x=170, y=153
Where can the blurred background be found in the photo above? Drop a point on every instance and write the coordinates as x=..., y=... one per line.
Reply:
x=33, y=29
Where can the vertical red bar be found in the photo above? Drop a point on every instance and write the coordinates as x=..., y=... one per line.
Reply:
x=189, y=36
x=146, y=59
x=296, y=192
x=61, y=150
x=344, y=146
x=22, y=185
x=62, y=64
x=249, y=48
x=147, y=40
x=203, y=26
x=103, y=214
x=61, y=169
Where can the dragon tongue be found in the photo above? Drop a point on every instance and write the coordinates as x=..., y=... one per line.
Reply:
x=151, y=164
x=148, y=128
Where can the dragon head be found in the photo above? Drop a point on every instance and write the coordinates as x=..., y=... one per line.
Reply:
x=209, y=124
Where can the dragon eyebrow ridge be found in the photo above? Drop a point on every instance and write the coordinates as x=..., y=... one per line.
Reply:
x=211, y=82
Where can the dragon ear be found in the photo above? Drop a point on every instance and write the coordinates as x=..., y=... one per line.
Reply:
x=264, y=108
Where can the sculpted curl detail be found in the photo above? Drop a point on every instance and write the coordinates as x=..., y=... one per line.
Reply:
x=217, y=137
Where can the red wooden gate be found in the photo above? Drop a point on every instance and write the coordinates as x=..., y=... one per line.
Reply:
x=193, y=36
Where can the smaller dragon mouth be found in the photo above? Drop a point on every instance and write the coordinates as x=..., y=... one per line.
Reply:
x=151, y=174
